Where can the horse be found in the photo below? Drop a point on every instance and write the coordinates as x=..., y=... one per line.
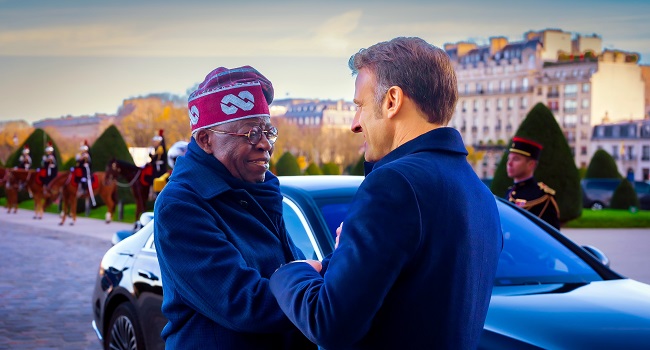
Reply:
x=33, y=185
x=64, y=185
x=136, y=178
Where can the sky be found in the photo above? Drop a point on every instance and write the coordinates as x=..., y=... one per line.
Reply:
x=80, y=57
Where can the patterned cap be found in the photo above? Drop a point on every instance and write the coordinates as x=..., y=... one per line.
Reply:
x=229, y=94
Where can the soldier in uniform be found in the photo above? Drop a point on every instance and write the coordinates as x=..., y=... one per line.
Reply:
x=159, y=155
x=83, y=164
x=527, y=193
x=49, y=164
x=24, y=161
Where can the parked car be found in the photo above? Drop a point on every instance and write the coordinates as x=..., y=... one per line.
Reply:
x=597, y=193
x=548, y=292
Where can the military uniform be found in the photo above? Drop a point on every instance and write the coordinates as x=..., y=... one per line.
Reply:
x=49, y=164
x=537, y=198
x=159, y=156
x=24, y=161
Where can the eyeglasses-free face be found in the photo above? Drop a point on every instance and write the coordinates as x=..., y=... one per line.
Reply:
x=254, y=135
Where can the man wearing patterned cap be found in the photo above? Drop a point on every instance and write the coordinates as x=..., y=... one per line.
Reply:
x=219, y=228
x=527, y=193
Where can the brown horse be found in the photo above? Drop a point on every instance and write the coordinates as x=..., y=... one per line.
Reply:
x=31, y=182
x=64, y=185
x=137, y=181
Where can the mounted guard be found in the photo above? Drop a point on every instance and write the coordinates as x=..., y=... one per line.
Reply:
x=49, y=168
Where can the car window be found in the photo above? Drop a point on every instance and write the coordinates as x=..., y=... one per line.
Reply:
x=531, y=256
x=299, y=230
x=334, y=213
x=641, y=187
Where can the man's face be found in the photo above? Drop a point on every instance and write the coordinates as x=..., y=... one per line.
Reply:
x=370, y=119
x=520, y=167
x=244, y=161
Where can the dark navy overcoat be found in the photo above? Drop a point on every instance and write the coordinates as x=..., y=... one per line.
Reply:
x=416, y=261
x=217, y=247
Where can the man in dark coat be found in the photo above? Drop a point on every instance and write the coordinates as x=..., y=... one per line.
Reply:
x=418, y=250
x=219, y=229
x=526, y=192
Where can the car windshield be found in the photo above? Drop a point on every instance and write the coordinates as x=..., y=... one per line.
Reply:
x=531, y=256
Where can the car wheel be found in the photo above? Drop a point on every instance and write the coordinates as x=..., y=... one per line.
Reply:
x=124, y=332
x=597, y=206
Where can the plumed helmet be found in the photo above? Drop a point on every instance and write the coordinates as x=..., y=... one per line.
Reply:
x=26, y=149
x=158, y=137
x=84, y=146
x=176, y=150
x=49, y=147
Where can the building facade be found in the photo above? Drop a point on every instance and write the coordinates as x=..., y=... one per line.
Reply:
x=314, y=113
x=628, y=143
x=579, y=82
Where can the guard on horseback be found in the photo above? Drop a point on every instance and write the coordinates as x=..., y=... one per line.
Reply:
x=158, y=155
x=82, y=169
x=24, y=161
x=49, y=168
x=176, y=150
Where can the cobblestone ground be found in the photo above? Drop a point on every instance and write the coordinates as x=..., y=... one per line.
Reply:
x=46, y=283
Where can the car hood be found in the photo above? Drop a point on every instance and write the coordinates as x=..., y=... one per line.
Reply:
x=604, y=314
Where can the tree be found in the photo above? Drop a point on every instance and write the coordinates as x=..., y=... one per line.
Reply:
x=624, y=196
x=358, y=167
x=331, y=168
x=12, y=134
x=313, y=169
x=287, y=165
x=556, y=167
x=109, y=145
x=36, y=141
x=147, y=115
x=602, y=166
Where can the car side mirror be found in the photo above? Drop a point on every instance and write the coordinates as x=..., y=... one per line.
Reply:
x=145, y=218
x=597, y=253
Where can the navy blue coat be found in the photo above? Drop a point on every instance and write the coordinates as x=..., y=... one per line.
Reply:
x=416, y=260
x=217, y=247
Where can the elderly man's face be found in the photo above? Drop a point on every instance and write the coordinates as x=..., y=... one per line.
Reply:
x=244, y=161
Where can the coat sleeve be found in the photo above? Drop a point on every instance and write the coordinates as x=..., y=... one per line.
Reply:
x=209, y=273
x=380, y=234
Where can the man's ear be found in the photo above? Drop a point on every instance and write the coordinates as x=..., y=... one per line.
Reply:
x=202, y=138
x=393, y=101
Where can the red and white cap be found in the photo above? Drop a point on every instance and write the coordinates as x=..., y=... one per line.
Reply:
x=228, y=95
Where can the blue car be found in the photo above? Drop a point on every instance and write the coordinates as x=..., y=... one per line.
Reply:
x=549, y=293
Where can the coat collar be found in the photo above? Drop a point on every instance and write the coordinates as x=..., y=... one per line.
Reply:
x=204, y=172
x=445, y=139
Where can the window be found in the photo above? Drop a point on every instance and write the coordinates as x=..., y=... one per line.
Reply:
x=524, y=102
x=583, y=150
x=645, y=152
x=570, y=89
x=585, y=103
x=499, y=104
x=524, y=83
x=300, y=231
x=585, y=87
x=513, y=85
x=511, y=103
x=585, y=119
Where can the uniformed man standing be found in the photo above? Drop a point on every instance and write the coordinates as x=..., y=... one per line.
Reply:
x=527, y=193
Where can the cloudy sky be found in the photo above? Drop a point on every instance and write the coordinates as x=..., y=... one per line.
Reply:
x=80, y=57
